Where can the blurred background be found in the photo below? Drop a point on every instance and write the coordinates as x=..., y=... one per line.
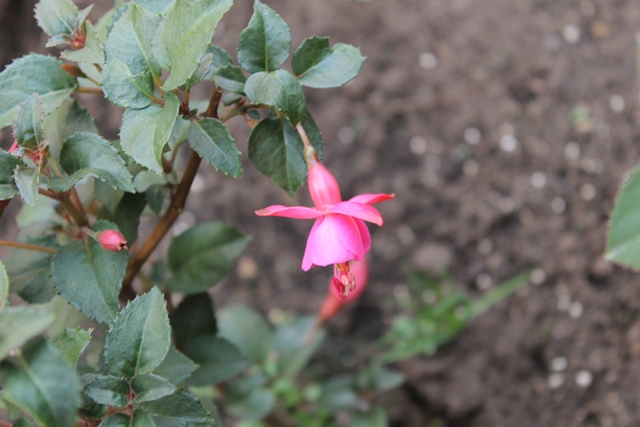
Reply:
x=504, y=129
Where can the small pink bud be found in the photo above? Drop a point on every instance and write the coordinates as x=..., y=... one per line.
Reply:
x=14, y=147
x=323, y=187
x=111, y=240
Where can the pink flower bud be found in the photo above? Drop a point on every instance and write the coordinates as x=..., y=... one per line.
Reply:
x=111, y=240
x=323, y=187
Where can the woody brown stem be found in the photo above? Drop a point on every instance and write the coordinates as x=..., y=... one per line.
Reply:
x=27, y=247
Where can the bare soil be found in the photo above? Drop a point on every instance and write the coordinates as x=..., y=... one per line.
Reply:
x=504, y=129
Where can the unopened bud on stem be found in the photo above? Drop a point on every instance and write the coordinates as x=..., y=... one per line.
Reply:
x=111, y=240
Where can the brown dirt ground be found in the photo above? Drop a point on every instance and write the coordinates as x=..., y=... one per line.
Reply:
x=534, y=192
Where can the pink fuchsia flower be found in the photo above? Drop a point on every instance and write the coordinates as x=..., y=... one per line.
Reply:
x=335, y=299
x=339, y=234
x=111, y=240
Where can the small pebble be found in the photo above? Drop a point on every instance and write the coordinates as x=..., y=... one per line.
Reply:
x=564, y=303
x=616, y=103
x=418, y=145
x=483, y=281
x=346, y=135
x=538, y=180
x=470, y=167
x=592, y=166
x=576, y=309
x=472, y=135
x=405, y=234
x=429, y=179
x=584, y=378
x=559, y=364
x=485, y=246
x=506, y=205
x=572, y=150
x=247, y=268
x=587, y=8
x=558, y=205
x=538, y=276
x=428, y=60
x=199, y=184
x=588, y=192
x=401, y=292
x=571, y=34
x=555, y=380
x=508, y=143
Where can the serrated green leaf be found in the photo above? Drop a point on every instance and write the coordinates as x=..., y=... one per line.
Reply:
x=19, y=324
x=253, y=406
x=219, y=360
x=376, y=417
x=23, y=422
x=213, y=59
x=140, y=337
x=265, y=44
x=193, y=318
x=211, y=139
x=145, y=132
x=149, y=387
x=4, y=285
x=85, y=154
x=56, y=17
x=108, y=390
x=231, y=78
x=156, y=6
x=30, y=274
x=155, y=197
x=247, y=330
x=142, y=419
x=178, y=410
x=33, y=73
x=125, y=89
x=42, y=385
x=130, y=40
x=71, y=343
x=93, y=50
x=127, y=215
x=8, y=163
x=90, y=277
x=27, y=181
x=277, y=89
x=623, y=239
x=184, y=35
x=175, y=367
x=295, y=343
x=318, y=65
x=203, y=255
x=379, y=379
x=116, y=420
x=68, y=119
x=27, y=126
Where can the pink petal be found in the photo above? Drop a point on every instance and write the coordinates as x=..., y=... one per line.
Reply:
x=369, y=199
x=299, y=212
x=334, y=239
x=358, y=210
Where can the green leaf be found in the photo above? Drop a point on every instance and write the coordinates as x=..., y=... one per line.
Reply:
x=90, y=277
x=211, y=61
x=139, y=338
x=68, y=119
x=156, y=6
x=193, y=318
x=30, y=274
x=319, y=66
x=116, y=420
x=142, y=419
x=247, y=330
x=276, y=150
x=211, y=139
x=23, y=422
x=295, y=343
x=93, y=50
x=130, y=40
x=277, y=89
x=127, y=215
x=219, y=360
x=27, y=126
x=43, y=385
x=623, y=240
x=145, y=132
x=125, y=89
x=177, y=410
x=379, y=379
x=175, y=367
x=203, y=255
x=265, y=44
x=4, y=285
x=184, y=36
x=231, y=78
x=8, y=163
x=71, y=343
x=85, y=154
x=19, y=324
x=376, y=417
x=33, y=73
x=253, y=406
x=108, y=390
x=149, y=387
x=56, y=17
x=27, y=181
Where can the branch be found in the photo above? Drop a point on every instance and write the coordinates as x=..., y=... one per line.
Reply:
x=27, y=247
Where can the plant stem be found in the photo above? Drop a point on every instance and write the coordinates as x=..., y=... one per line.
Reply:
x=79, y=219
x=303, y=135
x=85, y=89
x=27, y=246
